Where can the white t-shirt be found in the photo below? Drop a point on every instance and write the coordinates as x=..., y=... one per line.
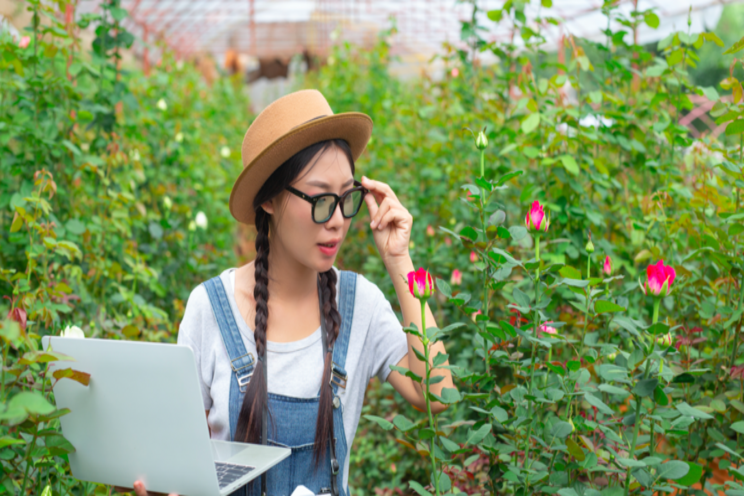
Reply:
x=295, y=369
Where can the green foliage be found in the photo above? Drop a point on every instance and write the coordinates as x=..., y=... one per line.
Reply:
x=565, y=381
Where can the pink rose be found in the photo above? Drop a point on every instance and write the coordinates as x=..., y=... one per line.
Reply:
x=456, y=277
x=607, y=266
x=420, y=284
x=473, y=257
x=455, y=72
x=659, y=279
x=546, y=329
x=25, y=40
x=536, y=219
x=429, y=230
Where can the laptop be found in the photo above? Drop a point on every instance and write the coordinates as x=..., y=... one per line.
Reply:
x=142, y=418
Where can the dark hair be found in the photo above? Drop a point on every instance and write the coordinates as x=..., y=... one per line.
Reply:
x=256, y=395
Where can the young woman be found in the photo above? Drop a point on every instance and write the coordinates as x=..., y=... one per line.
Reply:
x=286, y=345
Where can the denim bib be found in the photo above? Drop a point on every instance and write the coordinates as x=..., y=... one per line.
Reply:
x=292, y=421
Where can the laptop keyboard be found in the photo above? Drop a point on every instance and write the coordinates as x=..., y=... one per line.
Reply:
x=227, y=473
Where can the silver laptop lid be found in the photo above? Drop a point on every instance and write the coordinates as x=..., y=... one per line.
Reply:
x=142, y=416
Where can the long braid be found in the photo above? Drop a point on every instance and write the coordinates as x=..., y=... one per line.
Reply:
x=324, y=425
x=255, y=400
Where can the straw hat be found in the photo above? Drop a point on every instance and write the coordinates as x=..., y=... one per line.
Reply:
x=285, y=127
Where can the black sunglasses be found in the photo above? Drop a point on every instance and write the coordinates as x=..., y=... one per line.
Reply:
x=324, y=204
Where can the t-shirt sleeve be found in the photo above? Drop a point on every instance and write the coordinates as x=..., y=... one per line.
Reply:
x=386, y=341
x=191, y=334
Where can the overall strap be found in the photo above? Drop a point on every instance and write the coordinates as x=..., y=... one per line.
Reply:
x=241, y=361
x=339, y=376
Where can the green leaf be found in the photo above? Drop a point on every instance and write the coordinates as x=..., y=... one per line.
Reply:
x=495, y=15
x=569, y=163
x=604, y=306
x=508, y=176
x=598, y=404
x=450, y=395
x=686, y=409
x=660, y=397
x=406, y=372
x=380, y=421
x=738, y=427
x=568, y=491
x=658, y=328
x=7, y=441
x=693, y=475
x=569, y=272
x=402, y=423
x=449, y=445
x=651, y=19
x=561, y=429
x=735, y=127
x=474, y=437
x=735, y=47
x=469, y=232
x=629, y=462
x=530, y=123
x=613, y=390
x=645, y=387
x=575, y=450
x=674, y=470
x=32, y=402
x=440, y=359
x=418, y=488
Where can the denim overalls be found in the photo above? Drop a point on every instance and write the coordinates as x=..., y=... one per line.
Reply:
x=294, y=419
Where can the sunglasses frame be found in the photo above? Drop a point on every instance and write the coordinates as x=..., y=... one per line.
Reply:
x=336, y=199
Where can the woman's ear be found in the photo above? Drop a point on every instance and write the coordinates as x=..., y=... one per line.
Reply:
x=268, y=206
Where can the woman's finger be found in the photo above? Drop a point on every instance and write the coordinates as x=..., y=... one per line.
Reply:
x=388, y=218
x=371, y=205
x=385, y=206
x=378, y=188
x=139, y=488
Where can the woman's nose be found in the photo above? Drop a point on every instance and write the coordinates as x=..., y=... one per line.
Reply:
x=337, y=219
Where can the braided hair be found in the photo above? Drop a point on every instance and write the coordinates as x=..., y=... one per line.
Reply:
x=255, y=401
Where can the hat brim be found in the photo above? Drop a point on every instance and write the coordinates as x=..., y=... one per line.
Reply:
x=354, y=127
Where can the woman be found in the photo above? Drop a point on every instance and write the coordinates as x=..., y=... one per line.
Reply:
x=293, y=378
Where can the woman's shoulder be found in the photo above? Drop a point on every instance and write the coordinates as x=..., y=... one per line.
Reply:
x=365, y=289
x=198, y=311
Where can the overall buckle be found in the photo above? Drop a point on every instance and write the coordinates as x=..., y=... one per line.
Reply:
x=245, y=378
x=338, y=375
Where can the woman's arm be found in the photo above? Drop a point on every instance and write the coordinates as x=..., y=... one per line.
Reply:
x=411, y=308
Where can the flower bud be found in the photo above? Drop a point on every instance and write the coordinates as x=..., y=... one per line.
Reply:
x=665, y=340
x=536, y=220
x=192, y=226
x=420, y=284
x=607, y=267
x=589, y=246
x=162, y=105
x=167, y=202
x=481, y=142
x=72, y=332
x=201, y=220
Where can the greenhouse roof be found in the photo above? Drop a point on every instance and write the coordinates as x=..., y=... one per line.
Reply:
x=281, y=28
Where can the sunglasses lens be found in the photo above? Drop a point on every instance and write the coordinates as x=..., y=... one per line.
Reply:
x=323, y=208
x=352, y=202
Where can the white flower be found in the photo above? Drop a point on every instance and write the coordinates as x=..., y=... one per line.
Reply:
x=162, y=105
x=72, y=332
x=167, y=202
x=201, y=220
x=179, y=137
x=225, y=151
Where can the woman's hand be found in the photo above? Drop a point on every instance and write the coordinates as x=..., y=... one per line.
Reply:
x=139, y=490
x=390, y=221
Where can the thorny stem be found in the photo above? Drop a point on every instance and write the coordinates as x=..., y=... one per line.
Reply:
x=435, y=476
x=534, y=352
x=588, y=301
x=635, y=432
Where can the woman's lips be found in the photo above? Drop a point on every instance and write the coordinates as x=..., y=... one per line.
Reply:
x=328, y=250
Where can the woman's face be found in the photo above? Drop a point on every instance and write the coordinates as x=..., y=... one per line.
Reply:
x=295, y=232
